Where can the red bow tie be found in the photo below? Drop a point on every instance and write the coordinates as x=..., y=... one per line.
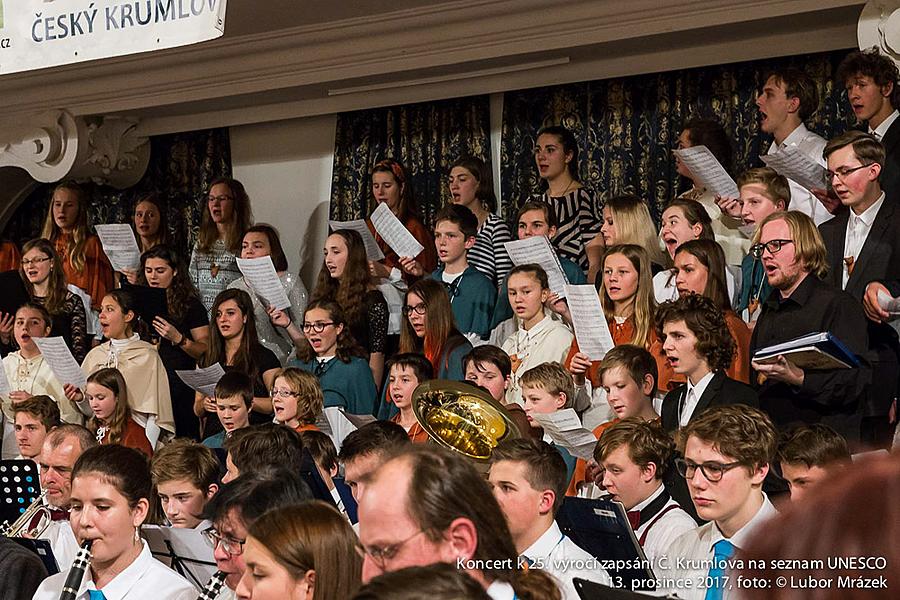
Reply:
x=58, y=514
x=634, y=517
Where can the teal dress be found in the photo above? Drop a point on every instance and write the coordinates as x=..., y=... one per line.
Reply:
x=472, y=297
x=503, y=311
x=347, y=385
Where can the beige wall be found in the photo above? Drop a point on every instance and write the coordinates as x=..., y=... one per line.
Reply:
x=286, y=167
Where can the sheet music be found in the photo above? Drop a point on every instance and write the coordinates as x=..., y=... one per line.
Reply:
x=565, y=428
x=888, y=303
x=339, y=425
x=373, y=252
x=591, y=328
x=61, y=361
x=260, y=275
x=537, y=250
x=704, y=166
x=358, y=420
x=120, y=246
x=202, y=380
x=797, y=166
x=394, y=233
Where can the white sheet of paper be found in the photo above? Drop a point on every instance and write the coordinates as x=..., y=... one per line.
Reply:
x=394, y=233
x=120, y=246
x=537, y=250
x=704, y=166
x=61, y=361
x=202, y=380
x=565, y=428
x=373, y=252
x=260, y=275
x=591, y=329
x=888, y=303
x=93, y=321
x=797, y=166
x=338, y=423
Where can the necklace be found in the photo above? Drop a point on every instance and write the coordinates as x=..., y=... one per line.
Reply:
x=564, y=192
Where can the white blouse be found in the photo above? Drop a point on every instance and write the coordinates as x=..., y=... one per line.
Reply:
x=144, y=579
x=548, y=341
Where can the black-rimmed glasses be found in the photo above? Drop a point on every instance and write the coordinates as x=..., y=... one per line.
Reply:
x=843, y=172
x=419, y=309
x=773, y=246
x=317, y=327
x=713, y=471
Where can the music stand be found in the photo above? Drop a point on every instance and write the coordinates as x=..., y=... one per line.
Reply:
x=184, y=550
x=600, y=526
x=20, y=486
x=44, y=551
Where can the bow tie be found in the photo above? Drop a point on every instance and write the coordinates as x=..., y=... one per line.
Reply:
x=634, y=517
x=58, y=514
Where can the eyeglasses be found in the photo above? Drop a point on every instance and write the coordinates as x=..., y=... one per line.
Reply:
x=219, y=198
x=713, y=471
x=380, y=555
x=34, y=261
x=842, y=172
x=318, y=327
x=419, y=309
x=773, y=246
x=230, y=546
x=284, y=394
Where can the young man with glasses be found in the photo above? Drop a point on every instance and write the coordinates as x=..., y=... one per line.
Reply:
x=727, y=453
x=235, y=508
x=862, y=248
x=801, y=303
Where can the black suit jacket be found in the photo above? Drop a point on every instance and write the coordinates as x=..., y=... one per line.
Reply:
x=720, y=391
x=879, y=260
x=890, y=173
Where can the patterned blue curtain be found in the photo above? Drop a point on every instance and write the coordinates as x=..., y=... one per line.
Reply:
x=627, y=127
x=181, y=167
x=426, y=138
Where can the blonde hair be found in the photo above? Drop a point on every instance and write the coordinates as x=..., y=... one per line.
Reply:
x=552, y=378
x=777, y=186
x=809, y=248
x=310, y=400
x=75, y=246
x=634, y=225
x=644, y=302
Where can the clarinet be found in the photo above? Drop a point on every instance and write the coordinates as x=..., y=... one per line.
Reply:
x=213, y=586
x=76, y=573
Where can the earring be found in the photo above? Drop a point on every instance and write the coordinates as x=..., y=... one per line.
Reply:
x=137, y=534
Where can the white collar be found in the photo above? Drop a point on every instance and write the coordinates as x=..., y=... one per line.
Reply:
x=501, y=590
x=765, y=513
x=642, y=505
x=868, y=215
x=538, y=327
x=881, y=130
x=546, y=544
x=701, y=385
x=794, y=137
x=325, y=359
x=122, y=583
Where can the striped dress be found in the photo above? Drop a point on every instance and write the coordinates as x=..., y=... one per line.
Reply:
x=579, y=215
x=488, y=255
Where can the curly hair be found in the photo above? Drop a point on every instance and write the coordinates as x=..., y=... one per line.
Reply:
x=647, y=443
x=738, y=431
x=706, y=321
x=346, y=348
x=871, y=63
x=348, y=290
x=181, y=290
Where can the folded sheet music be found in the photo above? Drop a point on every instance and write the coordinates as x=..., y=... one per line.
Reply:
x=394, y=233
x=591, y=328
x=61, y=362
x=120, y=246
x=202, y=380
x=566, y=430
x=704, y=166
x=537, y=250
x=797, y=166
x=373, y=252
x=260, y=275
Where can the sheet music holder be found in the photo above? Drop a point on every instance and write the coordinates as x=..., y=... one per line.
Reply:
x=43, y=550
x=20, y=486
x=590, y=590
x=184, y=550
x=14, y=293
x=600, y=526
x=149, y=302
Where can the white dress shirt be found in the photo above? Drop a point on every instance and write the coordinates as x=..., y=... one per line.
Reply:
x=62, y=542
x=501, y=590
x=858, y=228
x=696, y=546
x=812, y=146
x=692, y=398
x=662, y=531
x=144, y=579
x=557, y=555
x=547, y=341
x=880, y=131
